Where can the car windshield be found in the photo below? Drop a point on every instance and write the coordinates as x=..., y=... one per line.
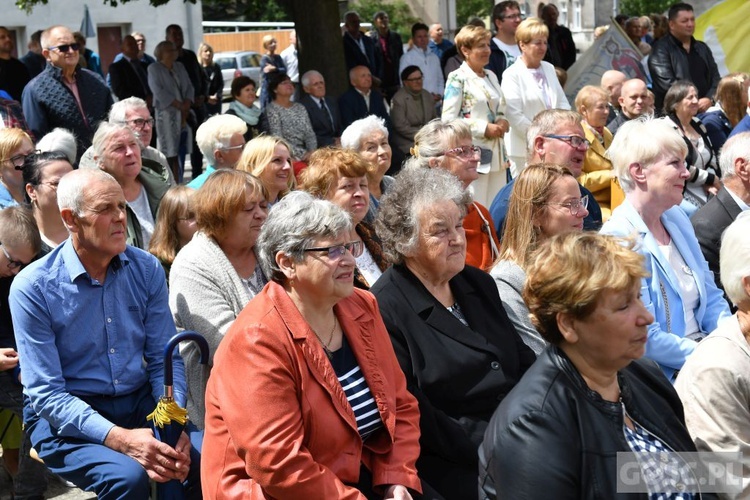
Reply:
x=251, y=61
x=227, y=62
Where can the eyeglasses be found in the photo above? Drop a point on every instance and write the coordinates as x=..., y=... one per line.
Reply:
x=12, y=264
x=66, y=47
x=466, y=152
x=335, y=252
x=18, y=160
x=230, y=148
x=514, y=17
x=139, y=123
x=575, y=141
x=575, y=207
x=415, y=79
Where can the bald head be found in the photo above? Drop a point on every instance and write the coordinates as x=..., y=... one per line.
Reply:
x=612, y=81
x=633, y=97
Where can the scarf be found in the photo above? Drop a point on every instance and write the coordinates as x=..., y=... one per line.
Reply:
x=250, y=115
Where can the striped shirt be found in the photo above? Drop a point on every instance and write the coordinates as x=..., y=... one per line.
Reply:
x=356, y=389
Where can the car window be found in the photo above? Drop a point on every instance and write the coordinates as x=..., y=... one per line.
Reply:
x=250, y=61
x=226, y=62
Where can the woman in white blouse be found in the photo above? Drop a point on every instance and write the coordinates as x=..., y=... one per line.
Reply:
x=530, y=86
x=473, y=94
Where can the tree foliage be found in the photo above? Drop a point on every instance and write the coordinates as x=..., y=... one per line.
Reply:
x=466, y=9
x=644, y=7
x=400, y=15
x=244, y=10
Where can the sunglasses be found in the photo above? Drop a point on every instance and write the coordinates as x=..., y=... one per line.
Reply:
x=66, y=47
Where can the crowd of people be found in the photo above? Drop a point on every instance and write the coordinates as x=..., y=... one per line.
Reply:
x=448, y=283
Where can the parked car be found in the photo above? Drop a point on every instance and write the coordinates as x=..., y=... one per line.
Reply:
x=237, y=63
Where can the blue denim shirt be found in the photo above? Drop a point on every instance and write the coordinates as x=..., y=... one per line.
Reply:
x=79, y=337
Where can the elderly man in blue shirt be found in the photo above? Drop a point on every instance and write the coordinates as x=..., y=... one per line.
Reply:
x=91, y=321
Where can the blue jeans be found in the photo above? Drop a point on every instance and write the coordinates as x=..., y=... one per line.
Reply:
x=31, y=481
x=93, y=466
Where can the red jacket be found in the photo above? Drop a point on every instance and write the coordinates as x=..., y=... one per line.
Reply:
x=278, y=424
x=478, y=246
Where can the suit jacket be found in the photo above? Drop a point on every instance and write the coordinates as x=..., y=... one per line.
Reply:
x=523, y=100
x=409, y=113
x=459, y=374
x=389, y=71
x=667, y=344
x=353, y=56
x=278, y=424
x=125, y=82
x=321, y=122
x=353, y=107
x=709, y=222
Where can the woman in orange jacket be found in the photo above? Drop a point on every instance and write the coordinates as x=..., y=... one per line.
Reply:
x=306, y=398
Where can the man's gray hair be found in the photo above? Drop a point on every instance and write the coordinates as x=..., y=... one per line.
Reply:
x=118, y=112
x=548, y=122
x=216, y=133
x=736, y=147
x=294, y=224
x=61, y=140
x=734, y=258
x=72, y=188
x=436, y=137
x=352, y=137
x=415, y=189
x=309, y=74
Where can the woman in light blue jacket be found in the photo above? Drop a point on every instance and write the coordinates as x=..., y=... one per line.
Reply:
x=649, y=160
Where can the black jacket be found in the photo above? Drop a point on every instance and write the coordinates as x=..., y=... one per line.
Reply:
x=498, y=62
x=125, y=81
x=554, y=436
x=352, y=107
x=709, y=222
x=458, y=374
x=668, y=63
x=388, y=63
x=325, y=132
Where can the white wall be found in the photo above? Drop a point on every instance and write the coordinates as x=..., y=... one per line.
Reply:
x=136, y=15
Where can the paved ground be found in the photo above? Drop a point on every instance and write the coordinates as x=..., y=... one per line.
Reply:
x=56, y=489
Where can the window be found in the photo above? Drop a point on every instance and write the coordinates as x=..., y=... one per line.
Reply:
x=563, y=19
x=576, y=24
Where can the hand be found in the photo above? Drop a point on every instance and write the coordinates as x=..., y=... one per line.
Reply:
x=269, y=68
x=8, y=359
x=185, y=106
x=161, y=462
x=703, y=104
x=212, y=100
x=397, y=492
x=437, y=97
x=494, y=131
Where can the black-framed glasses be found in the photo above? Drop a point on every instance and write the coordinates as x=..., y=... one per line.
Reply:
x=415, y=79
x=18, y=160
x=513, y=17
x=66, y=47
x=140, y=122
x=335, y=252
x=575, y=207
x=12, y=264
x=575, y=141
x=466, y=152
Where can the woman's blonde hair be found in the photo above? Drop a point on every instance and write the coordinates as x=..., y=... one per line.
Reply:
x=531, y=191
x=327, y=166
x=266, y=40
x=569, y=272
x=588, y=96
x=530, y=29
x=258, y=154
x=470, y=36
x=165, y=242
x=202, y=46
x=10, y=140
x=731, y=94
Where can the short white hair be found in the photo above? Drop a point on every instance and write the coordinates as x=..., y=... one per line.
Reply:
x=734, y=258
x=352, y=137
x=737, y=146
x=642, y=140
x=103, y=135
x=60, y=140
x=119, y=110
x=72, y=187
x=308, y=74
x=216, y=132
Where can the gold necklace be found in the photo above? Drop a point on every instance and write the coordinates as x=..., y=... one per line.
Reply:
x=326, y=345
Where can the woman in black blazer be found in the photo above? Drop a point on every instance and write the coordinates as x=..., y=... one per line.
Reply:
x=459, y=351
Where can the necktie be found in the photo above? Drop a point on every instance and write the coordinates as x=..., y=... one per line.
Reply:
x=326, y=111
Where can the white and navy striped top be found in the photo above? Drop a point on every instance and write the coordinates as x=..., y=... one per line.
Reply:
x=356, y=389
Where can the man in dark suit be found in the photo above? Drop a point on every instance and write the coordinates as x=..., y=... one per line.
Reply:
x=128, y=77
x=323, y=111
x=388, y=51
x=733, y=198
x=359, y=50
x=360, y=100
